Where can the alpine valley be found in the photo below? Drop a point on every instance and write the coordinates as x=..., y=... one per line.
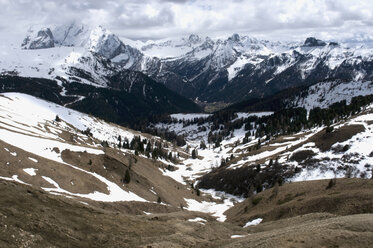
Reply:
x=107, y=141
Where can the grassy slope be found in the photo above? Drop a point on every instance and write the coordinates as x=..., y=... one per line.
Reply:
x=348, y=196
x=32, y=218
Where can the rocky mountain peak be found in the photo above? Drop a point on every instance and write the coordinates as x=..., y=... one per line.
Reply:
x=235, y=38
x=72, y=34
x=193, y=38
x=313, y=42
x=104, y=42
x=43, y=39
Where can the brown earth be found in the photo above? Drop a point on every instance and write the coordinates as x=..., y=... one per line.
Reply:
x=32, y=218
x=147, y=180
x=324, y=140
x=312, y=230
x=348, y=196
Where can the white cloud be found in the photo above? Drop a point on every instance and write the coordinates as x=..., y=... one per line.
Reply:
x=275, y=19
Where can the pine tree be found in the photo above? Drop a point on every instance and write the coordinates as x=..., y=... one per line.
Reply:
x=194, y=156
x=127, y=177
x=202, y=145
x=120, y=141
x=198, y=192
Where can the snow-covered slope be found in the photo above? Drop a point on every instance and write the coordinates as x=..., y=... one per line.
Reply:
x=60, y=150
x=313, y=153
x=324, y=94
x=38, y=133
x=170, y=48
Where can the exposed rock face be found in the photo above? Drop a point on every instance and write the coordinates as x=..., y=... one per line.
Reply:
x=44, y=39
x=313, y=42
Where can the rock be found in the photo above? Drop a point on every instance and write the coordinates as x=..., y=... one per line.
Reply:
x=313, y=42
x=43, y=39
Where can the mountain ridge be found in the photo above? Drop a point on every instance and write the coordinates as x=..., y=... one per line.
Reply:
x=228, y=69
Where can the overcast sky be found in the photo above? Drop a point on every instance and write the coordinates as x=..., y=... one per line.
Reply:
x=144, y=19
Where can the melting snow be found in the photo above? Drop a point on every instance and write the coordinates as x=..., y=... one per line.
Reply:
x=198, y=220
x=30, y=171
x=15, y=179
x=237, y=236
x=33, y=160
x=253, y=222
x=216, y=209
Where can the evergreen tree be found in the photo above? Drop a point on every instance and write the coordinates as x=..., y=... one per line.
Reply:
x=127, y=177
x=194, y=155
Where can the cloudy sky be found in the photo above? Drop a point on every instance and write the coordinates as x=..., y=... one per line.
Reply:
x=153, y=19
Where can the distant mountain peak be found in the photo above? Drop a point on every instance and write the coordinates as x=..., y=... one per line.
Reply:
x=313, y=42
x=193, y=38
x=104, y=42
x=235, y=38
x=40, y=40
x=72, y=34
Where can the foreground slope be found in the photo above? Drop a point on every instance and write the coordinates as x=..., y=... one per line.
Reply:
x=32, y=218
x=68, y=153
x=63, y=184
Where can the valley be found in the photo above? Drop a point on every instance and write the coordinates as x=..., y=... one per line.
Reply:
x=190, y=141
x=70, y=164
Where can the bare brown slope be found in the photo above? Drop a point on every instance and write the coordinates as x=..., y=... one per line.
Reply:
x=32, y=218
x=348, y=196
x=312, y=230
x=147, y=180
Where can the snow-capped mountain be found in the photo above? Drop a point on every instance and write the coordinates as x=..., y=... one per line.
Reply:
x=227, y=69
x=42, y=39
x=240, y=67
x=77, y=71
x=97, y=40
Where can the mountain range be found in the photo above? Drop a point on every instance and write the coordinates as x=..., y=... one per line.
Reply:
x=228, y=69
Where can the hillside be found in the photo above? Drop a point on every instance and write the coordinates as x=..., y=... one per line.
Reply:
x=343, y=197
x=242, y=153
x=32, y=218
x=95, y=178
x=132, y=97
x=69, y=153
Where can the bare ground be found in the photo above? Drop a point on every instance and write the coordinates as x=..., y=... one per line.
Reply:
x=32, y=218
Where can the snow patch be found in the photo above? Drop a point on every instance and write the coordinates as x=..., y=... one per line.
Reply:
x=216, y=209
x=253, y=222
x=33, y=159
x=30, y=171
x=198, y=220
x=237, y=236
